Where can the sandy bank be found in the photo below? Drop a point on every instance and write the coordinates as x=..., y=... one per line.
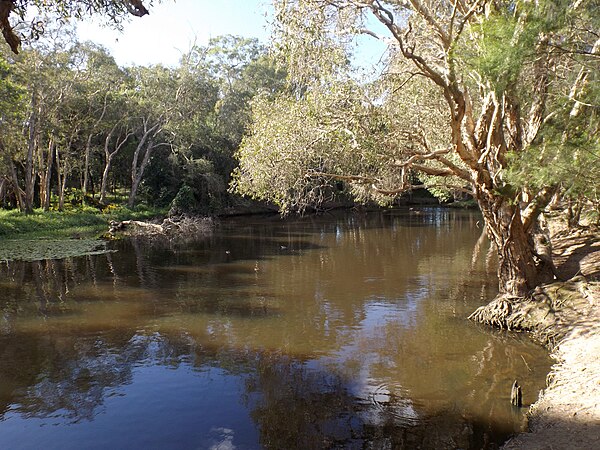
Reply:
x=567, y=414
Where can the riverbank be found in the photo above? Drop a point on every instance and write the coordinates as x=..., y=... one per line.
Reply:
x=87, y=222
x=567, y=413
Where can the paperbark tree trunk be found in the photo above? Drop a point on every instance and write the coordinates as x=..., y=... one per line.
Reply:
x=519, y=270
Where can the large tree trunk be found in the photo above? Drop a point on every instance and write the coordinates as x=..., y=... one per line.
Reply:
x=518, y=272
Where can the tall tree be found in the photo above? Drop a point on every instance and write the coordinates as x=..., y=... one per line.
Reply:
x=155, y=96
x=102, y=99
x=121, y=134
x=491, y=74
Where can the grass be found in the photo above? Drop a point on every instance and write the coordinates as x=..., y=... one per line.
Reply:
x=79, y=223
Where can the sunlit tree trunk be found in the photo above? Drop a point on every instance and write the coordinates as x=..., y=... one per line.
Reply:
x=144, y=150
x=109, y=155
x=46, y=178
x=31, y=147
x=137, y=173
x=61, y=177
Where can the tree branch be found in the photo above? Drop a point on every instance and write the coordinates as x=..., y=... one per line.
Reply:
x=420, y=8
x=136, y=7
x=535, y=207
x=6, y=7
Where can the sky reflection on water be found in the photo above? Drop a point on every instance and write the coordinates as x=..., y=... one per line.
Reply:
x=344, y=331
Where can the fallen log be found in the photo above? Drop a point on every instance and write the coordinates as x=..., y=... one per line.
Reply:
x=183, y=226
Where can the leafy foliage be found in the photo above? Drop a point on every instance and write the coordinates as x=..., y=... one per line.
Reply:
x=342, y=137
x=95, y=127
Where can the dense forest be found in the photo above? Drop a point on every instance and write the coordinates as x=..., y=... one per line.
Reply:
x=76, y=128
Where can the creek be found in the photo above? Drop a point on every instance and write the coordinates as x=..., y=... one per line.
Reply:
x=337, y=331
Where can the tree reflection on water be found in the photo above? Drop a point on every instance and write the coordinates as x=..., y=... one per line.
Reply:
x=337, y=334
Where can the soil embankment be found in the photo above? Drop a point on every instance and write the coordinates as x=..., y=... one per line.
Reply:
x=566, y=317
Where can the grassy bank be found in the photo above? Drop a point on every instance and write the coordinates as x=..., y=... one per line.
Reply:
x=77, y=223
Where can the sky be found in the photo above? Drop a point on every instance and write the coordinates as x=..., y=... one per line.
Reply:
x=174, y=26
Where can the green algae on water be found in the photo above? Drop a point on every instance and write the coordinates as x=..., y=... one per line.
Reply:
x=34, y=250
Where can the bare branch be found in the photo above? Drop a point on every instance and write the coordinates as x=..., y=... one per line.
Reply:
x=478, y=4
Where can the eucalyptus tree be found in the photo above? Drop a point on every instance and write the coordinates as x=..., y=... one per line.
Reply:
x=154, y=99
x=51, y=118
x=102, y=97
x=72, y=97
x=192, y=131
x=114, y=142
x=215, y=84
x=62, y=123
x=243, y=68
x=37, y=71
x=472, y=86
x=104, y=106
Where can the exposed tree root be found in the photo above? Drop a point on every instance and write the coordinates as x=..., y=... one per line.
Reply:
x=565, y=316
x=548, y=313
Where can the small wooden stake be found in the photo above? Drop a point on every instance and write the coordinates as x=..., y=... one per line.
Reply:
x=516, y=396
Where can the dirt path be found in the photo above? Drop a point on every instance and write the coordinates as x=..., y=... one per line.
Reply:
x=567, y=414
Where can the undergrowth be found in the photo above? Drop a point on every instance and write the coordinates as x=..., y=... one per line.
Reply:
x=75, y=223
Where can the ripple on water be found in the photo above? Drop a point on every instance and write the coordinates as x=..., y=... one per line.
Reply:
x=386, y=402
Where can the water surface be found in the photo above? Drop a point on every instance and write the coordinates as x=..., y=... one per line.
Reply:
x=331, y=332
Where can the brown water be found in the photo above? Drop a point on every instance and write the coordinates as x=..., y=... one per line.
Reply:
x=329, y=332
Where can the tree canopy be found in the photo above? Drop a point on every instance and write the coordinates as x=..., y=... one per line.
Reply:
x=495, y=98
x=75, y=127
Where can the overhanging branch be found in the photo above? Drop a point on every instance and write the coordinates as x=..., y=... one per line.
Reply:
x=375, y=183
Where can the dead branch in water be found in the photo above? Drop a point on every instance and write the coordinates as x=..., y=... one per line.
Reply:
x=171, y=227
